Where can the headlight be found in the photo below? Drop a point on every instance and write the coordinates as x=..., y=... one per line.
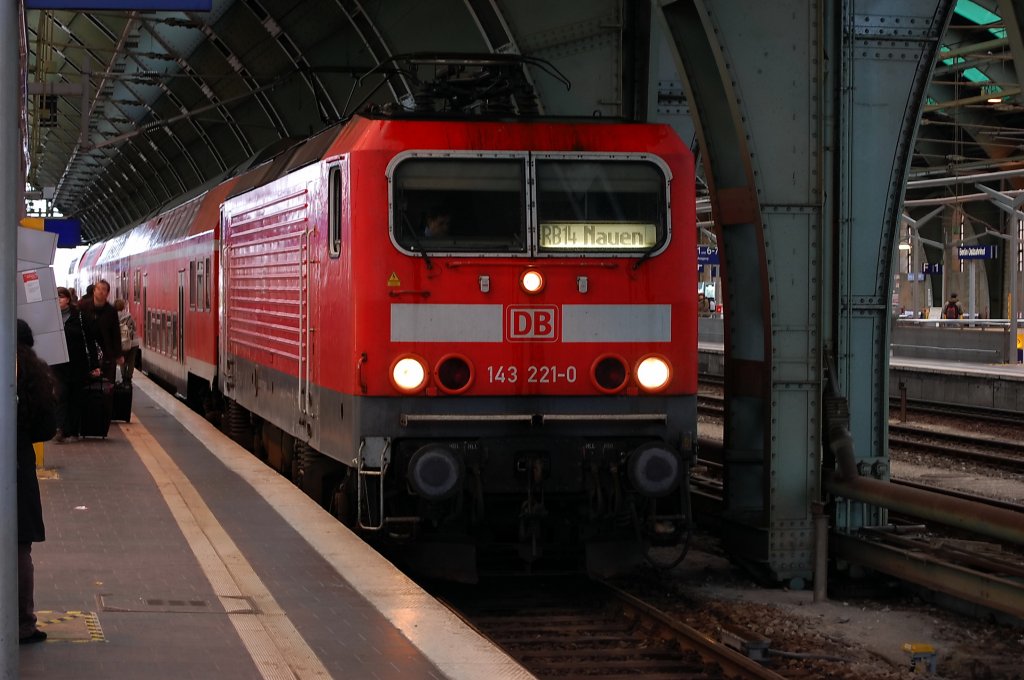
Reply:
x=408, y=373
x=653, y=373
x=532, y=281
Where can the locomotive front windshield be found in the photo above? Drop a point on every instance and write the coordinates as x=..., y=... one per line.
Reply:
x=604, y=206
x=454, y=204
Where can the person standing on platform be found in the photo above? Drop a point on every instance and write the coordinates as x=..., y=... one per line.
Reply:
x=129, y=341
x=83, y=362
x=952, y=310
x=703, y=305
x=37, y=422
x=103, y=320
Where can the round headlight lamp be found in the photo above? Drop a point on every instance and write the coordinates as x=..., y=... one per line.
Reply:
x=653, y=373
x=531, y=281
x=408, y=373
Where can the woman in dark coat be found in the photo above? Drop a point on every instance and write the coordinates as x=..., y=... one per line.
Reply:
x=37, y=403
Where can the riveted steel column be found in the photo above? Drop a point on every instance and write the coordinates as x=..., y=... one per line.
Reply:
x=805, y=126
x=11, y=177
x=884, y=52
x=737, y=70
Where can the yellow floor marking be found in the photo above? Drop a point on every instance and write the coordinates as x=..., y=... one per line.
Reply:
x=70, y=626
x=272, y=641
x=445, y=640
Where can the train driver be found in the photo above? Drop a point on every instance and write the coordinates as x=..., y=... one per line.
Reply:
x=438, y=223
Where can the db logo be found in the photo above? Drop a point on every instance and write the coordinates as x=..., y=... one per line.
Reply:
x=531, y=323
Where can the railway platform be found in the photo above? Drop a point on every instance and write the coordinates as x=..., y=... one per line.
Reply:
x=957, y=383
x=173, y=553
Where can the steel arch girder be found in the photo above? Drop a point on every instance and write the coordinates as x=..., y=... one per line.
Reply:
x=806, y=214
x=887, y=55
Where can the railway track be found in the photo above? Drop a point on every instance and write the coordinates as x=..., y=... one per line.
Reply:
x=987, y=415
x=1000, y=453
x=710, y=402
x=572, y=628
x=991, y=451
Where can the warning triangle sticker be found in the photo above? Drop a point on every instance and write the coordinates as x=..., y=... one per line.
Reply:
x=393, y=281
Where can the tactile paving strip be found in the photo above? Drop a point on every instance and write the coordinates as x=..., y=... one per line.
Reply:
x=71, y=626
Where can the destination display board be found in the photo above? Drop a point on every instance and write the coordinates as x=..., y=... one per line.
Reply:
x=598, y=235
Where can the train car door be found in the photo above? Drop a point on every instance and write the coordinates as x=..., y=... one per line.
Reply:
x=179, y=327
x=147, y=337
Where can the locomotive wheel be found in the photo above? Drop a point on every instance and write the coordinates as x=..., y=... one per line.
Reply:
x=664, y=558
x=289, y=461
x=317, y=475
x=237, y=424
x=343, y=504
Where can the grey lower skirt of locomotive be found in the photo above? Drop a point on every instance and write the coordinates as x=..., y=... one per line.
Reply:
x=582, y=488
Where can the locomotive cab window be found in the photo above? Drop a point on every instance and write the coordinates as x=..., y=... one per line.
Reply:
x=334, y=211
x=600, y=206
x=459, y=205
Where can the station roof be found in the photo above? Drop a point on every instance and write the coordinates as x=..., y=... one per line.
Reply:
x=130, y=111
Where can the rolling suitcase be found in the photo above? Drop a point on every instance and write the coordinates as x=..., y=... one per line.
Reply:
x=97, y=408
x=122, y=407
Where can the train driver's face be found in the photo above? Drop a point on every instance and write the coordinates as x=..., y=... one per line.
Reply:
x=439, y=225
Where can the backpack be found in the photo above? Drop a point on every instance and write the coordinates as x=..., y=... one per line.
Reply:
x=126, y=334
x=952, y=311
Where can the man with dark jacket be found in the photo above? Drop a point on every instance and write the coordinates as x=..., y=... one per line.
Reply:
x=105, y=326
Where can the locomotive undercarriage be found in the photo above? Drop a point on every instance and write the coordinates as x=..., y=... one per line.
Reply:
x=449, y=484
x=551, y=502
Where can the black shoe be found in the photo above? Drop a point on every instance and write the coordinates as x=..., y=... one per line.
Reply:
x=36, y=636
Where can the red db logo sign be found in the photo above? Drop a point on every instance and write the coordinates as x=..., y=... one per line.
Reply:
x=531, y=323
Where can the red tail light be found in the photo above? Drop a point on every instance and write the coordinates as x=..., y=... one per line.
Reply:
x=609, y=373
x=454, y=374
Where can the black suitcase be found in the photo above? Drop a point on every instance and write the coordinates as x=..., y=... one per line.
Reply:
x=97, y=408
x=122, y=409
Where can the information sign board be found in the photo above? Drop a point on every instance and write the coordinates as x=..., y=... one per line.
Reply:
x=707, y=255
x=977, y=252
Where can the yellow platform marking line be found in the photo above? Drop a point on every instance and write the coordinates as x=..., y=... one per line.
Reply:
x=92, y=624
x=446, y=641
x=272, y=641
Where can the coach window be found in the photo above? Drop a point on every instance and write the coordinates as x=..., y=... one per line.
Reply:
x=479, y=204
x=192, y=285
x=206, y=289
x=600, y=206
x=334, y=210
x=200, y=288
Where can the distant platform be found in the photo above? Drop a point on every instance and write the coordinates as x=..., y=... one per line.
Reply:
x=958, y=383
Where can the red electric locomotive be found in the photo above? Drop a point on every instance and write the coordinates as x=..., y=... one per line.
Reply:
x=457, y=333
